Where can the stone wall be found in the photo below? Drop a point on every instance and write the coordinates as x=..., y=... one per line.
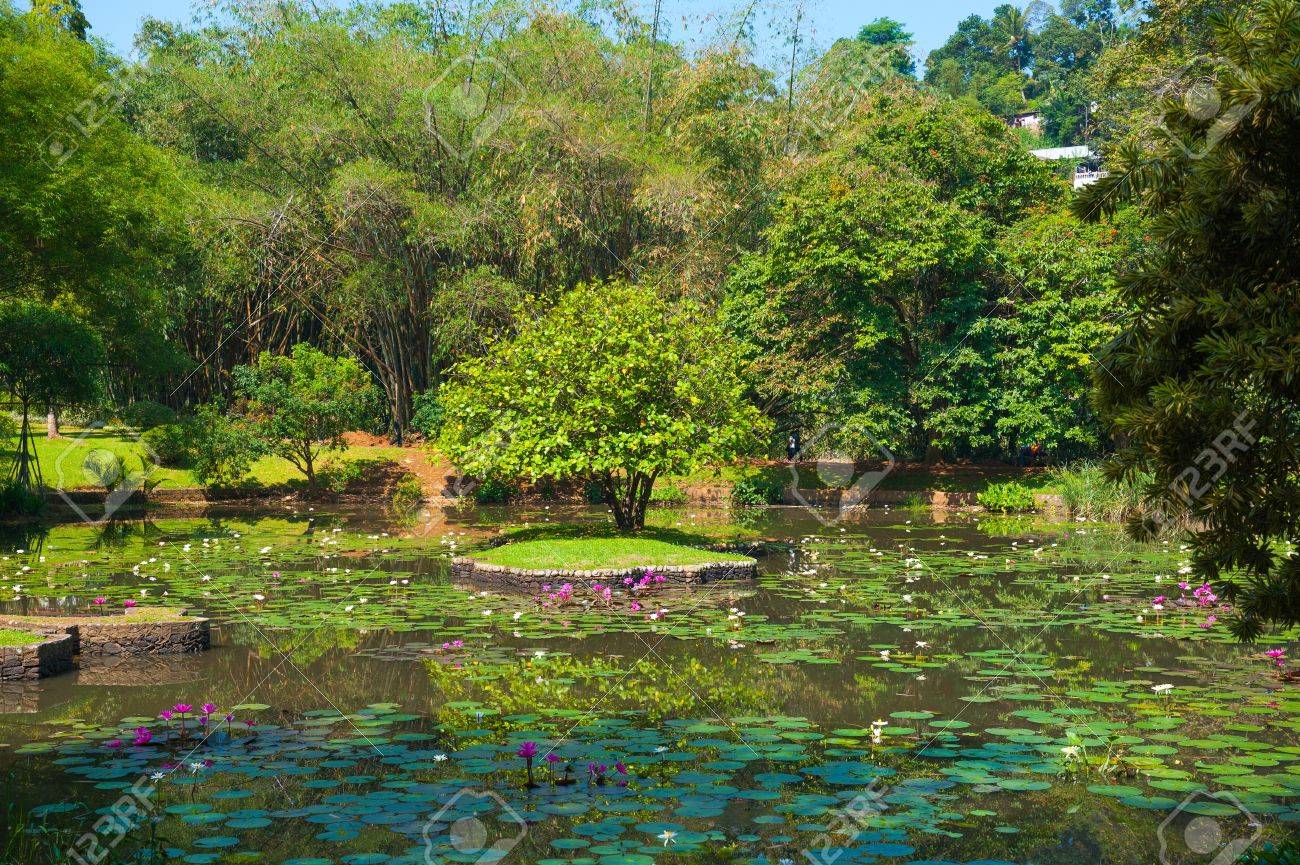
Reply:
x=143, y=638
x=128, y=634
x=51, y=656
x=467, y=569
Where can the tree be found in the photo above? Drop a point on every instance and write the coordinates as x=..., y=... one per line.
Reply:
x=615, y=385
x=93, y=216
x=47, y=359
x=860, y=302
x=300, y=404
x=1202, y=381
x=889, y=34
x=1059, y=308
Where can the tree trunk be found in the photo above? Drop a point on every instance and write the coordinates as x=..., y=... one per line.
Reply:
x=52, y=425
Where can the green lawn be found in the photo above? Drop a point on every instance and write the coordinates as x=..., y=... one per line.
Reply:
x=62, y=459
x=599, y=552
x=18, y=638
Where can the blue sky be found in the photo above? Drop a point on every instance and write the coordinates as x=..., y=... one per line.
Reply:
x=827, y=20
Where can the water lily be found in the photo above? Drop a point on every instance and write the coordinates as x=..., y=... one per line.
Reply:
x=667, y=836
x=143, y=736
x=128, y=603
x=1162, y=688
x=208, y=708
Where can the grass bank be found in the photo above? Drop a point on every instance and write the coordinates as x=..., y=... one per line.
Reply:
x=599, y=552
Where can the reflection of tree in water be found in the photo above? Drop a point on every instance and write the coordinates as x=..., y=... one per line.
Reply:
x=29, y=537
x=114, y=533
x=563, y=681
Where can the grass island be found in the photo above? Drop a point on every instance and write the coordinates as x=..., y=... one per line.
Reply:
x=529, y=559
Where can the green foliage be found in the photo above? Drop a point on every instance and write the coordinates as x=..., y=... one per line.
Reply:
x=668, y=494
x=172, y=444
x=15, y=499
x=1201, y=380
x=493, y=491
x=889, y=34
x=614, y=384
x=1089, y=492
x=1268, y=853
x=224, y=449
x=340, y=474
x=756, y=491
x=1007, y=497
x=878, y=264
x=94, y=215
x=47, y=359
x=426, y=414
x=1032, y=59
x=1059, y=308
x=146, y=415
x=407, y=494
x=301, y=404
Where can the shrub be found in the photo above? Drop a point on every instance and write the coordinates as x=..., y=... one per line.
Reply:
x=172, y=444
x=668, y=494
x=493, y=492
x=1007, y=498
x=15, y=500
x=338, y=475
x=224, y=450
x=146, y=415
x=104, y=469
x=756, y=491
x=408, y=494
x=1087, y=492
x=426, y=414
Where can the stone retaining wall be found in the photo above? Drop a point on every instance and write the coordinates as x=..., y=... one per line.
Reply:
x=126, y=634
x=51, y=656
x=463, y=568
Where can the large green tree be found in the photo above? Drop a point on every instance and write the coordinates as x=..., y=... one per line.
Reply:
x=615, y=385
x=879, y=262
x=1204, y=380
x=93, y=216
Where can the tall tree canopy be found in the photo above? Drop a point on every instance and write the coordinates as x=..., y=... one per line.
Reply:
x=1202, y=382
x=93, y=216
x=880, y=261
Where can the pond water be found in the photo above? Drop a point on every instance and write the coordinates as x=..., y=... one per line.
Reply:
x=897, y=688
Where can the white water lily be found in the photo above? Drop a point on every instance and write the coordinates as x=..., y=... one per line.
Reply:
x=1163, y=688
x=667, y=836
x=438, y=758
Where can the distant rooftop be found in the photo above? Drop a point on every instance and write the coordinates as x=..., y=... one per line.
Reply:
x=1081, y=151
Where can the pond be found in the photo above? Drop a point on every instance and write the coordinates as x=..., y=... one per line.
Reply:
x=898, y=688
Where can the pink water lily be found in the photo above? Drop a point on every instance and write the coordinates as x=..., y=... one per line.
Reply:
x=165, y=714
x=208, y=708
x=182, y=708
x=528, y=750
x=128, y=603
x=113, y=743
x=143, y=736
x=100, y=601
